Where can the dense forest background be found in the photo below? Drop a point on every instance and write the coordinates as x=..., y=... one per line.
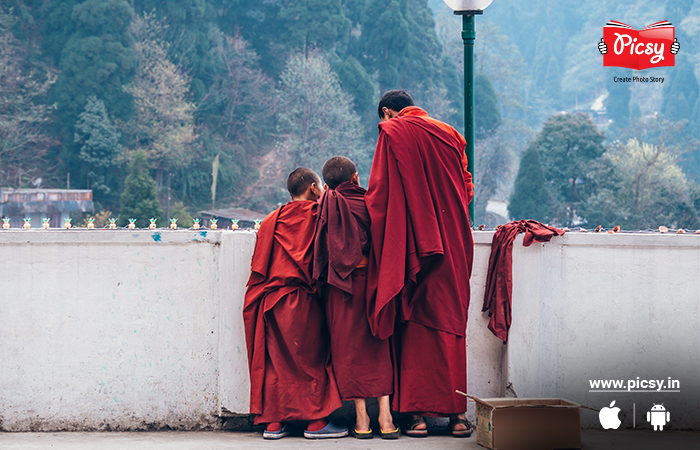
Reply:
x=221, y=99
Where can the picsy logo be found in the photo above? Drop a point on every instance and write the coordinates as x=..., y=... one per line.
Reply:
x=653, y=46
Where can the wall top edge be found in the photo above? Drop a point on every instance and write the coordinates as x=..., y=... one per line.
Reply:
x=165, y=236
x=17, y=236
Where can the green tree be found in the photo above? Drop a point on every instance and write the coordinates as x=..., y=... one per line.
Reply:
x=355, y=81
x=163, y=125
x=98, y=59
x=531, y=198
x=568, y=145
x=139, y=198
x=99, y=141
x=311, y=24
x=552, y=83
x=618, y=101
x=682, y=90
x=648, y=189
x=318, y=115
x=239, y=120
x=24, y=139
x=399, y=43
x=487, y=112
x=189, y=31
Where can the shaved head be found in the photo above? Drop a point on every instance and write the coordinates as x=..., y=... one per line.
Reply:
x=337, y=170
x=300, y=179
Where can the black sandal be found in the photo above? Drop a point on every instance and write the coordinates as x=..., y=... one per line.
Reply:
x=411, y=424
x=393, y=434
x=456, y=420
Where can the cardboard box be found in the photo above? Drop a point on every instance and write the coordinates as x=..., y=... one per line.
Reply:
x=527, y=423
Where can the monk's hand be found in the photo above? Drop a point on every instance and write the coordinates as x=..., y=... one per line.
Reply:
x=602, y=48
x=675, y=47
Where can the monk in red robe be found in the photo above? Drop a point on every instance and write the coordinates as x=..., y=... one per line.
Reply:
x=361, y=362
x=286, y=335
x=420, y=261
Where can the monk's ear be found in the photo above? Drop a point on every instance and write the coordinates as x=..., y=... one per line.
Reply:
x=325, y=187
x=356, y=178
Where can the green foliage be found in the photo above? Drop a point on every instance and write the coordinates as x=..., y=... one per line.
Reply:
x=487, y=114
x=568, y=144
x=163, y=125
x=682, y=90
x=618, y=101
x=318, y=115
x=399, y=43
x=311, y=24
x=99, y=141
x=647, y=189
x=552, y=83
x=98, y=59
x=355, y=81
x=182, y=213
x=531, y=199
x=139, y=198
x=24, y=140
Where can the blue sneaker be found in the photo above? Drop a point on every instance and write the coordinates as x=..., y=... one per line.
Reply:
x=279, y=434
x=330, y=431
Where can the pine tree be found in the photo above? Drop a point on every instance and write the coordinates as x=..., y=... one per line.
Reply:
x=531, y=198
x=98, y=59
x=99, y=140
x=618, y=101
x=568, y=146
x=139, y=199
x=487, y=112
x=552, y=83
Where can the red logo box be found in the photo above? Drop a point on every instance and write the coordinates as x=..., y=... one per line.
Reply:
x=639, y=49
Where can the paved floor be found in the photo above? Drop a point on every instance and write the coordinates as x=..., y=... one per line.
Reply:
x=220, y=440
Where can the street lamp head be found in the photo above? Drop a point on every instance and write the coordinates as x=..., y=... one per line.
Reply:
x=468, y=5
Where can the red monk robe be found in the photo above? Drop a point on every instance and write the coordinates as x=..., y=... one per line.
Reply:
x=361, y=362
x=421, y=258
x=288, y=355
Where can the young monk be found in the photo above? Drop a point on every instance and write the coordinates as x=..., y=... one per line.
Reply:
x=361, y=362
x=285, y=325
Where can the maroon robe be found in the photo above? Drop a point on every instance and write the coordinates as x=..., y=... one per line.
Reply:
x=420, y=260
x=361, y=362
x=499, y=279
x=286, y=334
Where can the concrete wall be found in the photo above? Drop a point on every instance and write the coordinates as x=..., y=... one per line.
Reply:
x=598, y=306
x=142, y=329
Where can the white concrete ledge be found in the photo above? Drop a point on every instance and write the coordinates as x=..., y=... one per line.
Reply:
x=142, y=329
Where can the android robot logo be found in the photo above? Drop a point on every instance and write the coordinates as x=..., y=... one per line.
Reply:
x=658, y=417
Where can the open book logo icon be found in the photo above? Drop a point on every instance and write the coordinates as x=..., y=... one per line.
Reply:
x=653, y=46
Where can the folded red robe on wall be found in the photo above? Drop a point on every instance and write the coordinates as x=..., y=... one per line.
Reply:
x=499, y=279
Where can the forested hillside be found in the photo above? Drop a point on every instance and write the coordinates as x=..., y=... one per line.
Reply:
x=225, y=97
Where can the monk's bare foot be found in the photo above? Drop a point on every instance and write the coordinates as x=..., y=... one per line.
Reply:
x=459, y=426
x=386, y=422
x=419, y=426
x=362, y=418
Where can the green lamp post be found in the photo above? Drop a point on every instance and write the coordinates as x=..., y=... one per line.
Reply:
x=468, y=9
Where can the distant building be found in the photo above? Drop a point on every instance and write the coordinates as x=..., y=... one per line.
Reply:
x=37, y=204
x=246, y=218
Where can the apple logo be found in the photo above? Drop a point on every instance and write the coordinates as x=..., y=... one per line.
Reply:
x=608, y=417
